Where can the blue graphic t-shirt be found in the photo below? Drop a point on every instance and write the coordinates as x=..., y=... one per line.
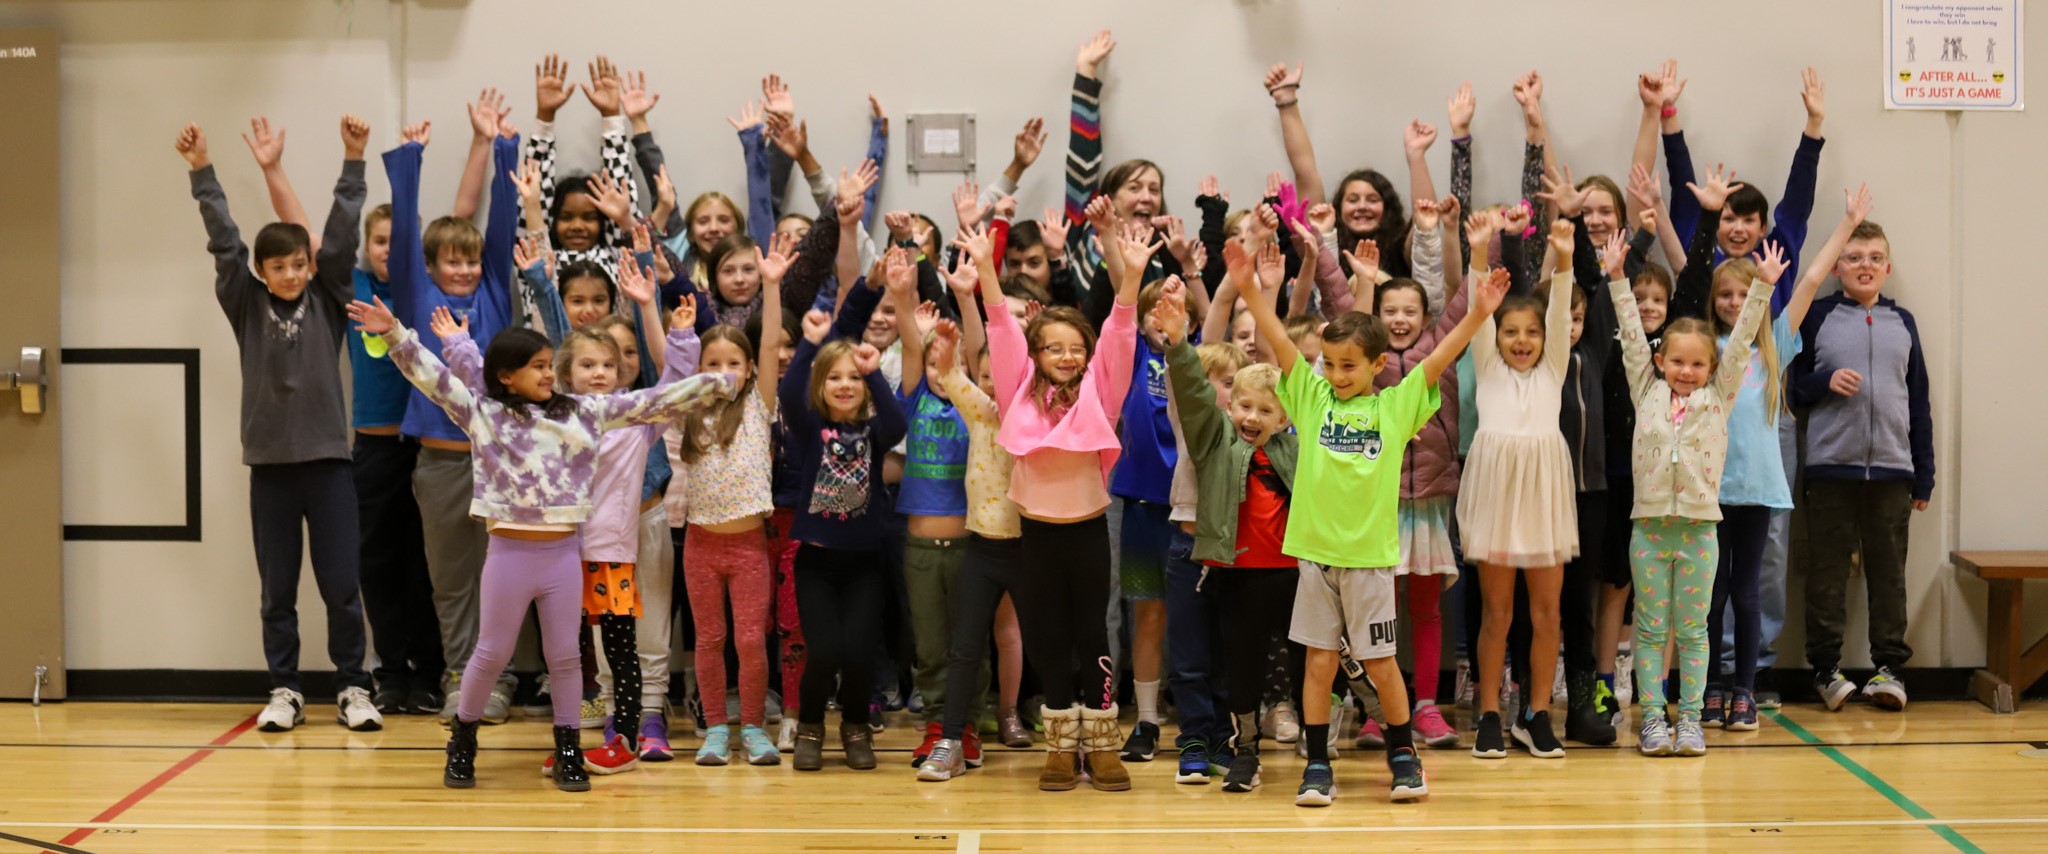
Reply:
x=934, y=457
x=1145, y=470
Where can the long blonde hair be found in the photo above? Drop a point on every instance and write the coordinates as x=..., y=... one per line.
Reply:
x=828, y=356
x=1766, y=339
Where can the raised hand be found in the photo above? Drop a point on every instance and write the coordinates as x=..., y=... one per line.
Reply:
x=1092, y=53
x=875, y=110
x=817, y=324
x=1650, y=89
x=1029, y=144
x=1648, y=219
x=900, y=272
x=1857, y=204
x=268, y=147
x=484, y=113
x=793, y=137
x=1561, y=243
x=1265, y=223
x=373, y=317
x=1770, y=261
x=191, y=145
x=945, y=343
x=1643, y=189
x=1237, y=263
x=635, y=98
x=750, y=116
x=1418, y=137
x=853, y=188
x=444, y=323
x=775, y=97
x=685, y=314
x=1211, y=187
x=1719, y=184
x=355, y=136
x=1614, y=255
x=420, y=132
x=609, y=198
x=1101, y=215
x=527, y=252
x=1559, y=190
x=527, y=179
x=866, y=359
x=604, y=86
x=551, y=87
x=1135, y=243
x=967, y=202
x=1006, y=207
x=1528, y=91
x=1481, y=226
x=1171, y=311
x=1460, y=107
x=1180, y=244
x=1322, y=217
x=1488, y=293
x=974, y=240
x=775, y=262
x=1365, y=261
x=963, y=279
x=926, y=316
x=1448, y=209
x=1272, y=268
x=1813, y=92
x=1052, y=230
x=636, y=282
x=1669, y=83
x=1426, y=214
x=898, y=223
x=642, y=240
x=1032, y=308
x=1515, y=219
x=1284, y=85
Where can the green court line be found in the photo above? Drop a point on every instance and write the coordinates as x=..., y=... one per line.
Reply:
x=1876, y=783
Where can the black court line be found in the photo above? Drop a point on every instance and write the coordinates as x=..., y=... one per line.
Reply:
x=46, y=846
x=435, y=748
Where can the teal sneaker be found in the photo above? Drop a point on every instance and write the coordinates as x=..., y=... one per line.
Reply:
x=717, y=749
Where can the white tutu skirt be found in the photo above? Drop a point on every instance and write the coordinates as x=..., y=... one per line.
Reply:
x=1517, y=501
x=1426, y=538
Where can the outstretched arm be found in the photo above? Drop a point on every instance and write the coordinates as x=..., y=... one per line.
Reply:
x=1823, y=262
x=268, y=149
x=1084, y=125
x=1285, y=87
x=1485, y=296
x=1261, y=301
x=484, y=115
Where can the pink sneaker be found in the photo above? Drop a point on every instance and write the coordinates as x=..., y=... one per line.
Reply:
x=1432, y=729
x=1370, y=737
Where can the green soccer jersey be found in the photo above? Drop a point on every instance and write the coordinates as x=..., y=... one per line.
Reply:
x=1347, y=488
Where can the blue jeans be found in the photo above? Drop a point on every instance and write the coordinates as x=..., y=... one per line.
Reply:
x=1190, y=634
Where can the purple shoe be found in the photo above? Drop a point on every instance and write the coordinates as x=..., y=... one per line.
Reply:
x=654, y=739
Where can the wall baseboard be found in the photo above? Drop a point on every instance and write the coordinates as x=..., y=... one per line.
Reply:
x=240, y=686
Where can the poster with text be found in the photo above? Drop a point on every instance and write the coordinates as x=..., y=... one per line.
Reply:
x=1953, y=55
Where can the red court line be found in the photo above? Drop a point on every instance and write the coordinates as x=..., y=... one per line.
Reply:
x=146, y=789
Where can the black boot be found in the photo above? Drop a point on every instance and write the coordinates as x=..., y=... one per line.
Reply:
x=460, y=772
x=570, y=775
x=1584, y=723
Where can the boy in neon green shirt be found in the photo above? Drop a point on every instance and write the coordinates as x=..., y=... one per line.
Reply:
x=1352, y=443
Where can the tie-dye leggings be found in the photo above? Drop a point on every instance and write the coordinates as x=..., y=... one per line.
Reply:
x=1672, y=560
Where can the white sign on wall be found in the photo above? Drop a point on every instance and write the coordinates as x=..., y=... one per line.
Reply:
x=1943, y=55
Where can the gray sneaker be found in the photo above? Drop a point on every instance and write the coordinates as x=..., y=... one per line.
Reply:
x=1885, y=691
x=1692, y=741
x=1833, y=688
x=451, y=701
x=944, y=762
x=498, y=708
x=1655, y=738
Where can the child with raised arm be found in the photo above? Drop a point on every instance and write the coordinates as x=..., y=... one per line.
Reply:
x=397, y=597
x=1059, y=394
x=1515, y=503
x=536, y=455
x=1345, y=599
x=451, y=264
x=288, y=318
x=1681, y=437
x=841, y=420
x=1869, y=463
x=726, y=449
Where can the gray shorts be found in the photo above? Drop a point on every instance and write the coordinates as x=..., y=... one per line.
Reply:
x=1345, y=608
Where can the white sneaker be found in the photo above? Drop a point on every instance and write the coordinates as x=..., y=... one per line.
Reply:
x=1558, y=696
x=1282, y=724
x=785, y=736
x=354, y=710
x=1466, y=684
x=1625, y=678
x=287, y=709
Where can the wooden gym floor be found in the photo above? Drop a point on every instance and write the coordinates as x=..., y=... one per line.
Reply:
x=161, y=778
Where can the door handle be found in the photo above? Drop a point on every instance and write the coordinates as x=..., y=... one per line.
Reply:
x=31, y=380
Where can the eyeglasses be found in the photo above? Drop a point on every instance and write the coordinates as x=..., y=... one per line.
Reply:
x=1862, y=260
x=1063, y=351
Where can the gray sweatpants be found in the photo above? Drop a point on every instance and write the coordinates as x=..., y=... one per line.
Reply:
x=442, y=484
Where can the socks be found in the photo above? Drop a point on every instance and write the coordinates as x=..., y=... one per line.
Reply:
x=1399, y=736
x=1148, y=701
x=1317, y=736
x=1420, y=703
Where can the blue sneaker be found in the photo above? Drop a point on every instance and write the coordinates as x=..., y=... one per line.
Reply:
x=1318, y=786
x=1713, y=710
x=717, y=749
x=1219, y=760
x=1409, y=781
x=1194, y=764
x=760, y=749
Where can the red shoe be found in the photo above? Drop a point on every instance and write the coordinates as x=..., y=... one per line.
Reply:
x=612, y=758
x=970, y=748
x=932, y=734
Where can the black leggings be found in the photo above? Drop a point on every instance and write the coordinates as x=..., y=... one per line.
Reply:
x=1744, y=531
x=1252, y=607
x=622, y=654
x=987, y=571
x=839, y=600
x=1062, y=598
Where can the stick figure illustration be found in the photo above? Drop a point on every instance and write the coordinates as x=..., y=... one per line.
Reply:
x=1990, y=50
x=1909, y=49
x=1960, y=55
x=1947, y=48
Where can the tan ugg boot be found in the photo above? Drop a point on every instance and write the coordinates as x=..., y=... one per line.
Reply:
x=1062, y=745
x=1102, y=740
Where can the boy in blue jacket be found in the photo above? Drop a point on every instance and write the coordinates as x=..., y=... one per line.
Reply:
x=1869, y=463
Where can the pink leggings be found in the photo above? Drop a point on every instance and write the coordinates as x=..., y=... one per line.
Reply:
x=715, y=566
x=1426, y=622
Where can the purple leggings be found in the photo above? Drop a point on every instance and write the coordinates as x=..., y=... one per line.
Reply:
x=516, y=572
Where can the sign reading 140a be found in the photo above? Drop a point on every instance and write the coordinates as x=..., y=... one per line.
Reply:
x=1953, y=55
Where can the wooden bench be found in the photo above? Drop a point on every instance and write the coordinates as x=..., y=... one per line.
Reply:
x=2011, y=666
